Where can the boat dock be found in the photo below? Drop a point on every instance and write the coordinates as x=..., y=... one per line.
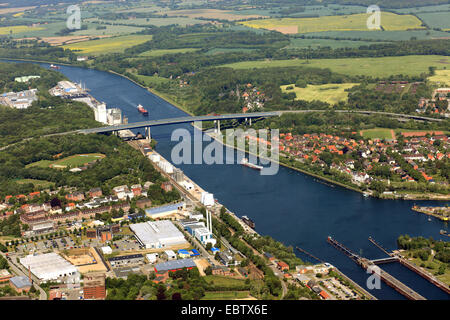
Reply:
x=384, y=276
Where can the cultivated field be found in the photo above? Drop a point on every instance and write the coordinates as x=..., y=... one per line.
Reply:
x=442, y=77
x=389, y=21
x=109, y=45
x=375, y=67
x=210, y=14
x=436, y=19
x=159, y=22
x=331, y=93
x=162, y=52
x=298, y=43
x=14, y=10
x=18, y=29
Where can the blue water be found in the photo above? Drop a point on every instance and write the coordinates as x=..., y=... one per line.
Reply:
x=290, y=206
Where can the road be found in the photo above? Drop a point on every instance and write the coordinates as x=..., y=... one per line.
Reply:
x=18, y=270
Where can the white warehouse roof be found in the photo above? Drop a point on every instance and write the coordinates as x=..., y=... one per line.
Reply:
x=49, y=266
x=157, y=234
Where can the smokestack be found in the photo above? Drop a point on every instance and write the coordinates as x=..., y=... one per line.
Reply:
x=210, y=222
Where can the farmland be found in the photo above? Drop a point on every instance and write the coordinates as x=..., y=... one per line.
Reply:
x=212, y=14
x=109, y=45
x=436, y=19
x=389, y=21
x=72, y=161
x=298, y=43
x=380, y=35
x=17, y=29
x=36, y=183
x=182, y=21
x=162, y=52
x=375, y=67
x=442, y=77
x=331, y=93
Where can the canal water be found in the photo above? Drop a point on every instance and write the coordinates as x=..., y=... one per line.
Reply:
x=291, y=207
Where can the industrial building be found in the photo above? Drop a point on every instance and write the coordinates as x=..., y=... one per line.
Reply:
x=49, y=266
x=163, y=211
x=19, y=100
x=157, y=234
x=20, y=283
x=174, y=265
x=124, y=260
x=207, y=199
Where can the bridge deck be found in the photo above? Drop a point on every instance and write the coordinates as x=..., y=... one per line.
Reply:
x=180, y=120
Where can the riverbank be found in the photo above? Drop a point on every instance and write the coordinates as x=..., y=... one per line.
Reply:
x=441, y=213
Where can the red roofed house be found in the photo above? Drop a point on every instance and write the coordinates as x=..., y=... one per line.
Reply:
x=282, y=265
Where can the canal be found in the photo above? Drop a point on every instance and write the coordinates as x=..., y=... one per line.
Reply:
x=290, y=207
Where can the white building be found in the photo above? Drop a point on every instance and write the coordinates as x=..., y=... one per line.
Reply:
x=207, y=199
x=204, y=236
x=106, y=250
x=100, y=113
x=151, y=257
x=171, y=255
x=49, y=267
x=157, y=234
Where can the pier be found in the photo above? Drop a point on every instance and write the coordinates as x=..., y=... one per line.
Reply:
x=384, y=276
x=411, y=266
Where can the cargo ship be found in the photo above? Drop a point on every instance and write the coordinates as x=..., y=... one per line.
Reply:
x=142, y=110
x=52, y=66
x=248, y=222
x=245, y=162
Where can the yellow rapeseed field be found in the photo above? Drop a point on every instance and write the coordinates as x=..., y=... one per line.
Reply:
x=18, y=29
x=355, y=22
x=108, y=45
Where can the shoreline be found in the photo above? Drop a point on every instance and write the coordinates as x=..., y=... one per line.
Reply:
x=179, y=107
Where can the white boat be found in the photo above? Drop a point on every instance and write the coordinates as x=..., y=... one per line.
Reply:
x=245, y=162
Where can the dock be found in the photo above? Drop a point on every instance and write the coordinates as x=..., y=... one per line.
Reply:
x=384, y=276
x=412, y=267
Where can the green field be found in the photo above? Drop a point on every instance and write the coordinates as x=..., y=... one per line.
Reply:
x=223, y=281
x=442, y=77
x=377, y=133
x=109, y=45
x=331, y=93
x=37, y=183
x=436, y=19
x=72, y=161
x=389, y=21
x=375, y=67
x=162, y=52
x=151, y=81
x=225, y=295
x=159, y=22
x=298, y=43
x=380, y=35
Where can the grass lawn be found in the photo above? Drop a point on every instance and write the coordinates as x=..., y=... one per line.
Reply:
x=225, y=295
x=380, y=133
x=389, y=21
x=331, y=93
x=162, y=52
x=432, y=266
x=151, y=81
x=375, y=67
x=442, y=77
x=108, y=45
x=72, y=161
x=224, y=281
x=37, y=183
